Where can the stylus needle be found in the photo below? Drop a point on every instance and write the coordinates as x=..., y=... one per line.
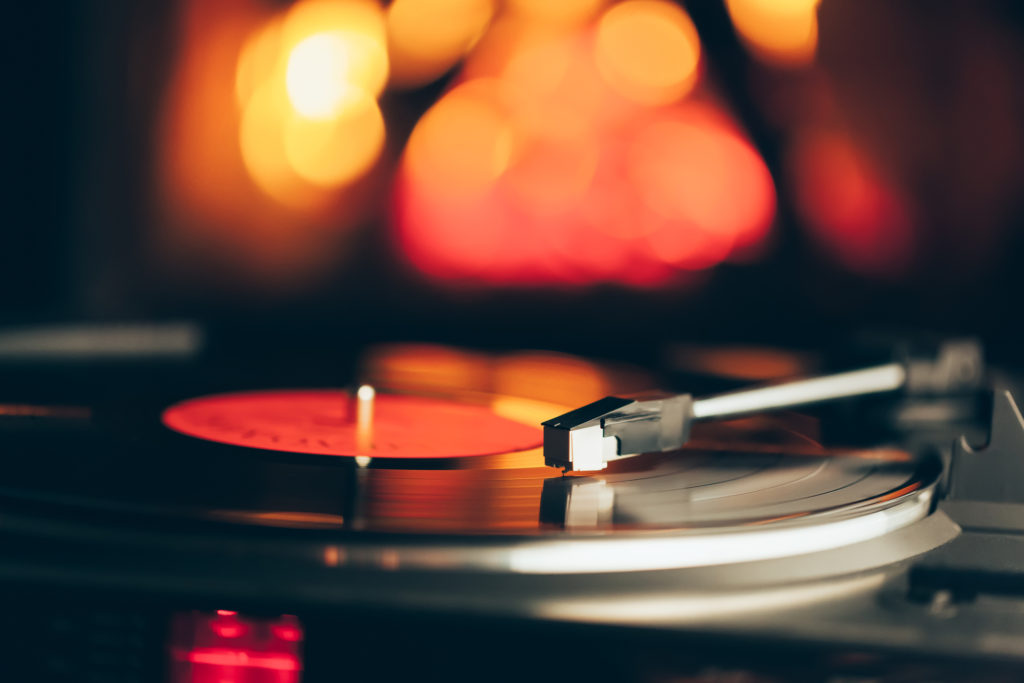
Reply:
x=589, y=437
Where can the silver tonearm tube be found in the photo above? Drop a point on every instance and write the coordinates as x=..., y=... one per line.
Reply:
x=591, y=436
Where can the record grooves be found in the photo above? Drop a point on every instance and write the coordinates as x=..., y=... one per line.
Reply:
x=784, y=477
x=758, y=526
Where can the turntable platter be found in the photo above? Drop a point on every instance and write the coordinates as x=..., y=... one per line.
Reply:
x=738, y=475
x=455, y=478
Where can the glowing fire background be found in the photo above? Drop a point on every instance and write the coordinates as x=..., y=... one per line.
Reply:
x=573, y=143
x=736, y=162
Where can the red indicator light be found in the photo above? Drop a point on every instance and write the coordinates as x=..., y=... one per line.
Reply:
x=228, y=629
x=244, y=658
x=224, y=646
x=287, y=632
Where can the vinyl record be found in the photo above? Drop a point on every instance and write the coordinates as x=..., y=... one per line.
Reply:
x=438, y=466
x=442, y=466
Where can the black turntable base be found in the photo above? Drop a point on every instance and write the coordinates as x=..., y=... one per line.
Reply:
x=412, y=530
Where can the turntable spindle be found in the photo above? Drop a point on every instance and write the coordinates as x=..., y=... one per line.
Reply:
x=365, y=396
x=589, y=437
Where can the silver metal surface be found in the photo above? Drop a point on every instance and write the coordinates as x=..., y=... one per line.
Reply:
x=587, y=438
x=589, y=505
x=874, y=380
x=708, y=540
x=632, y=552
x=101, y=342
x=586, y=449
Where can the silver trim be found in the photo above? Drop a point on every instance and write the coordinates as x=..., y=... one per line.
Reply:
x=875, y=380
x=629, y=552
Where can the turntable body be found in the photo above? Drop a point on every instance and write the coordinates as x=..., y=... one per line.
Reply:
x=752, y=548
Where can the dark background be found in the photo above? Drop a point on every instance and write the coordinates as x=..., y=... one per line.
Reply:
x=83, y=84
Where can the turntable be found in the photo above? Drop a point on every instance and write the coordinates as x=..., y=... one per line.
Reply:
x=421, y=523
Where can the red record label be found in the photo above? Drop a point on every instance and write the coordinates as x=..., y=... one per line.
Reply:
x=325, y=422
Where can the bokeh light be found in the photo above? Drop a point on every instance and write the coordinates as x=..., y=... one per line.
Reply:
x=463, y=143
x=436, y=370
x=427, y=369
x=334, y=151
x=349, y=37
x=263, y=150
x=744, y=363
x=536, y=169
x=576, y=144
x=257, y=59
x=779, y=32
x=560, y=13
x=648, y=50
x=551, y=377
x=230, y=211
x=306, y=83
x=317, y=76
x=853, y=214
x=426, y=38
x=552, y=166
x=267, y=138
x=694, y=167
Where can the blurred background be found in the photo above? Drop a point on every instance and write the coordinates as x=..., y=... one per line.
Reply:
x=583, y=175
